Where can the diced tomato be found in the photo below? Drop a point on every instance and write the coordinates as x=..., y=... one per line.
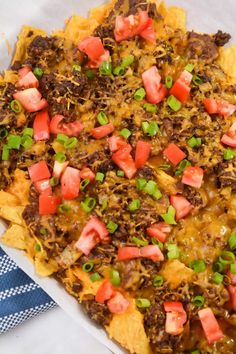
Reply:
x=149, y=32
x=98, y=226
x=181, y=205
x=59, y=168
x=48, y=204
x=130, y=26
x=159, y=231
x=142, y=153
x=31, y=99
x=210, y=105
x=232, y=277
x=210, y=325
x=105, y=292
x=99, y=60
x=27, y=81
x=124, y=160
x=87, y=242
x=39, y=171
x=232, y=130
x=175, y=306
x=92, y=46
x=87, y=173
x=174, y=154
x=70, y=183
x=43, y=186
x=152, y=252
x=115, y=143
x=155, y=91
x=118, y=303
x=125, y=253
x=175, y=317
x=228, y=140
x=24, y=71
x=102, y=131
x=186, y=77
x=225, y=108
x=180, y=90
x=232, y=293
x=193, y=176
x=41, y=126
x=69, y=129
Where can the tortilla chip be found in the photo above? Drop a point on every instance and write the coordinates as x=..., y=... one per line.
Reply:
x=166, y=182
x=176, y=18
x=89, y=288
x=174, y=272
x=227, y=60
x=8, y=199
x=13, y=214
x=20, y=187
x=16, y=236
x=69, y=256
x=128, y=330
x=10, y=76
x=43, y=267
x=101, y=12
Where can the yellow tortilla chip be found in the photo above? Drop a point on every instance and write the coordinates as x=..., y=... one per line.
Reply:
x=128, y=330
x=10, y=76
x=89, y=288
x=20, y=187
x=43, y=267
x=174, y=272
x=101, y=12
x=227, y=60
x=8, y=199
x=176, y=18
x=13, y=214
x=17, y=236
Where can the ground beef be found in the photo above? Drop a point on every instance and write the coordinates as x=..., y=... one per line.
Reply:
x=221, y=38
x=97, y=312
x=146, y=172
x=193, y=196
x=105, y=166
x=201, y=46
x=227, y=174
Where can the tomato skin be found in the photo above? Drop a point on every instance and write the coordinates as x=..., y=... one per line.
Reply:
x=186, y=77
x=174, y=154
x=124, y=160
x=210, y=105
x=193, y=176
x=142, y=153
x=87, y=173
x=175, y=317
x=181, y=205
x=152, y=252
x=155, y=91
x=159, y=231
x=96, y=63
x=31, y=99
x=59, y=168
x=210, y=325
x=149, y=32
x=102, y=131
x=180, y=90
x=130, y=26
x=39, y=171
x=228, y=140
x=118, y=303
x=92, y=46
x=69, y=129
x=232, y=130
x=219, y=106
x=27, y=81
x=48, y=204
x=126, y=253
x=70, y=183
x=175, y=306
x=24, y=71
x=105, y=292
x=41, y=126
x=115, y=143
x=87, y=242
x=43, y=186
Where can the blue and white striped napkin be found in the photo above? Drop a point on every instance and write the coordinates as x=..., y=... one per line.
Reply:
x=20, y=297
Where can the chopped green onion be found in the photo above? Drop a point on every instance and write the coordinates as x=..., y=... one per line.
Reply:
x=105, y=68
x=70, y=143
x=16, y=106
x=95, y=277
x=104, y=205
x=233, y=268
x=189, y=67
x=120, y=173
x=63, y=208
x=141, y=183
x=158, y=280
x=196, y=80
x=102, y=118
x=127, y=61
x=99, y=177
x=232, y=242
x=115, y=277
x=145, y=126
x=89, y=73
x=125, y=133
x=152, y=189
x=60, y=157
x=229, y=154
x=173, y=251
x=37, y=247
x=13, y=142
x=198, y=265
x=112, y=227
x=196, y=352
x=88, y=204
x=43, y=231
x=158, y=243
x=194, y=142
x=26, y=141
x=149, y=107
x=164, y=167
x=173, y=103
x=28, y=131
x=118, y=71
x=139, y=242
x=62, y=138
x=217, y=278
x=169, y=217
x=198, y=301
x=142, y=303
x=134, y=205
x=38, y=72
x=3, y=133
x=153, y=129
x=88, y=266
x=5, y=153
x=227, y=257
x=181, y=167
x=168, y=81
x=84, y=183
x=218, y=267
x=53, y=181
x=227, y=280
x=139, y=94
x=76, y=67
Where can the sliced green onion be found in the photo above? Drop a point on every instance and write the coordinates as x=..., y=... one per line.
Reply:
x=13, y=142
x=196, y=352
x=217, y=278
x=53, y=181
x=115, y=277
x=43, y=231
x=16, y=106
x=5, y=153
x=143, y=303
x=125, y=133
x=127, y=61
x=76, y=67
x=95, y=277
x=168, y=81
x=102, y=118
x=164, y=167
x=232, y=242
x=189, y=67
x=149, y=107
x=139, y=242
x=88, y=266
x=169, y=217
x=152, y=189
x=70, y=143
x=105, y=68
x=84, y=183
x=196, y=80
x=3, y=133
x=28, y=131
x=218, y=267
x=181, y=167
x=62, y=138
x=37, y=247
x=233, y=268
x=104, y=205
x=141, y=183
x=153, y=129
x=26, y=141
x=88, y=204
x=198, y=265
x=139, y=94
x=158, y=243
x=99, y=177
x=145, y=126
x=198, y=301
x=120, y=173
x=158, y=280
x=90, y=74
x=60, y=157
x=173, y=251
x=38, y=72
x=63, y=208
x=118, y=71
x=173, y=103
x=112, y=227
x=227, y=257
x=134, y=205
x=194, y=142
x=229, y=154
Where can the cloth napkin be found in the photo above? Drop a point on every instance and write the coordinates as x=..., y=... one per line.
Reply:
x=20, y=297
